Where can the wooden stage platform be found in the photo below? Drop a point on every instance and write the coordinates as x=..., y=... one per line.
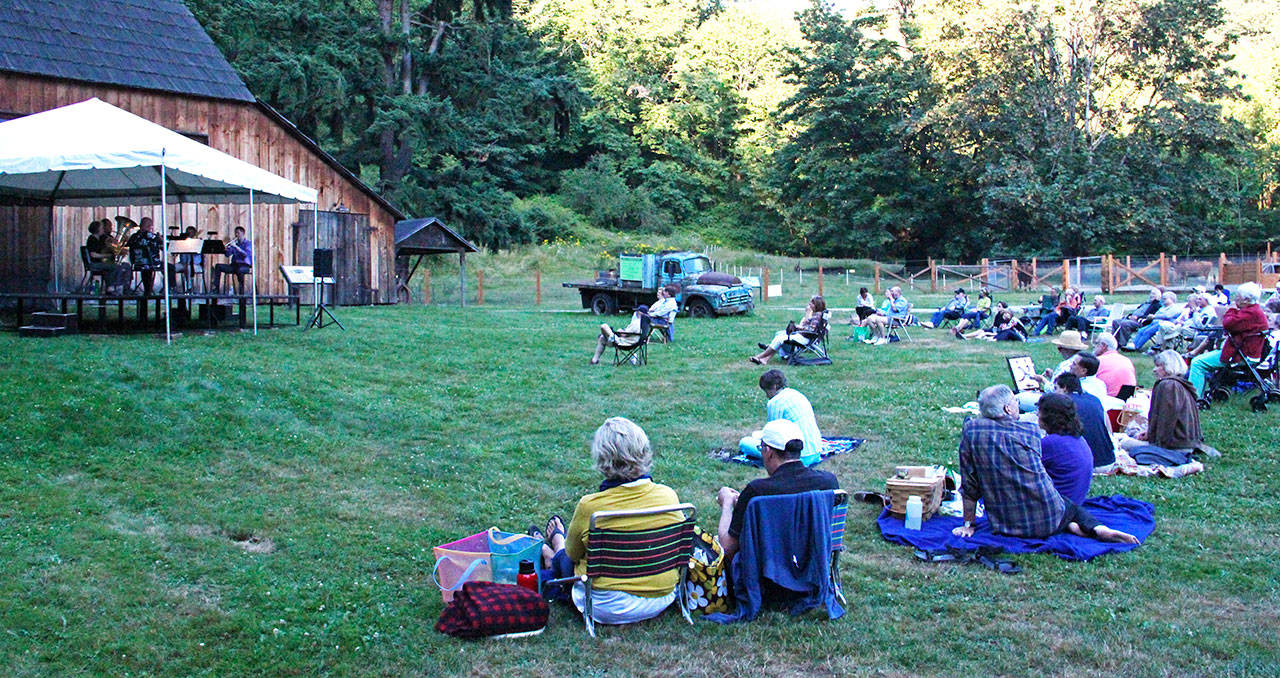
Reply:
x=138, y=312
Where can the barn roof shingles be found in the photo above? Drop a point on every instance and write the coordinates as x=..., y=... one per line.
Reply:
x=146, y=44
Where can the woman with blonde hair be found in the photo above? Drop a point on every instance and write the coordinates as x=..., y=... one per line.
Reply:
x=621, y=453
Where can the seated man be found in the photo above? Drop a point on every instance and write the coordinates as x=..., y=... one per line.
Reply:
x=240, y=249
x=952, y=311
x=1140, y=316
x=1114, y=368
x=1245, y=322
x=1069, y=344
x=187, y=264
x=790, y=404
x=1000, y=464
x=895, y=307
x=663, y=312
x=1168, y=314
x=1095, y=313
x=1085, y=366
x=145, y=253
x=626, y=337
x=1096, y=429
x=782, y=445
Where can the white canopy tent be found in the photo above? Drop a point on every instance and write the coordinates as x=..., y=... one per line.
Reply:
x=93, y=153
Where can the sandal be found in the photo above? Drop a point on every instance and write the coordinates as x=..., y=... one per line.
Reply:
x=552, y=531
x=536, y=533
x=756, y=360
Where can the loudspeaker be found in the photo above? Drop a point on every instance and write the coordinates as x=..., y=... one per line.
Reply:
x=323, y=261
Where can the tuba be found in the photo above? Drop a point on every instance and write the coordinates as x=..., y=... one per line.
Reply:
x=127, y=228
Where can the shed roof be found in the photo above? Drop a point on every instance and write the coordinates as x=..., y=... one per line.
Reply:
x=147, y=44
x=429, y=236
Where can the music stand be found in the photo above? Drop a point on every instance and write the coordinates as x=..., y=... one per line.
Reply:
x=322, y=275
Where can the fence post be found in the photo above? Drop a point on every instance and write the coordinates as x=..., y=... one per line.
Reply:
x=1104, y=279
x=1066, y=274
x=426, y=286
x=819, y=278
x=537, y=282
x=982, y=277
x=1034, y=276
x=933, y=276
x=877, y=279
x=764, y=287
x=1015, y=278
x=1164, y=270
x=480, y=287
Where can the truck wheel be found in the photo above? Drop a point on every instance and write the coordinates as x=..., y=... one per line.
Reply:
x=604, y=304
x=699, y=308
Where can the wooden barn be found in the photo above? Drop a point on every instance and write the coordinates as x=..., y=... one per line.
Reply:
x=153, y=59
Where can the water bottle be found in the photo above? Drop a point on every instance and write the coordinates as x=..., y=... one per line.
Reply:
x=527, y=577
x=915, y=509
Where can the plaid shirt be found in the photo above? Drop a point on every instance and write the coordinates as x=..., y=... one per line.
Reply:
x=1000, y=463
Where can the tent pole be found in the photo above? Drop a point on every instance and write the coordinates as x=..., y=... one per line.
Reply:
x=316, y=287
x=253, y=265
x=164, y=238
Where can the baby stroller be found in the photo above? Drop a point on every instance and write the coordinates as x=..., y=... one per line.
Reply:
x=1245, y=375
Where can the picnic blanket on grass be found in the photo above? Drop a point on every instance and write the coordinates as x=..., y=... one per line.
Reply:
x=830, y=448
x=1116, y=511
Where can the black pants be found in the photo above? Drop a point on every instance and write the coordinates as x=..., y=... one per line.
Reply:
x=1079, y=515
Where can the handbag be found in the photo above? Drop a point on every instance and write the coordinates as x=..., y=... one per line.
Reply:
x=507, y=550
x=708, y=588
x=492, y=555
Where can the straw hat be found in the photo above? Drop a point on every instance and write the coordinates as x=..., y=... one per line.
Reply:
x=1071, y=339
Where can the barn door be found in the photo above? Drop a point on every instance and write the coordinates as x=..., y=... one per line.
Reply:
x=348, y=235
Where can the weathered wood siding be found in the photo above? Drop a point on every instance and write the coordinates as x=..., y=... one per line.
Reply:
x=239, y=129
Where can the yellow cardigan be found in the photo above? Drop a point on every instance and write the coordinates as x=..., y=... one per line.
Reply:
x=638, y=494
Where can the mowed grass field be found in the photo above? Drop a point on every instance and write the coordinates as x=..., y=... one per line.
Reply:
x=240, y=505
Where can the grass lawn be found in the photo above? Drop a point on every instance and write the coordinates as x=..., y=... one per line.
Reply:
x=234, y=505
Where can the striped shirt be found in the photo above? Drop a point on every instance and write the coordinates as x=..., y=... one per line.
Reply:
x=1000, y=464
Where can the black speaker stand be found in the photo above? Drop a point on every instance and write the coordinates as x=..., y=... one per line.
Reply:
x=318, y=318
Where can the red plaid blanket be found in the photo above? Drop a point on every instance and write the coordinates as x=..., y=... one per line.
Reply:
x=484, y=608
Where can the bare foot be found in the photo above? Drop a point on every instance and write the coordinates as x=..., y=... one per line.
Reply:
x=595, y=361
x=1103, y=533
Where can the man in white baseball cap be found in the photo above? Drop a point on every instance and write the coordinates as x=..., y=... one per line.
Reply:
x=781, y=446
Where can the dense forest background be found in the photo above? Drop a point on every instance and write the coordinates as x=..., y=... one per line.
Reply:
x=903, y=128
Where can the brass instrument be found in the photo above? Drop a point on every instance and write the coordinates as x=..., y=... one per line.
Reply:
x=118, y=247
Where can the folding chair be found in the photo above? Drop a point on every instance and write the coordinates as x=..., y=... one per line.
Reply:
x=899, y=324
x=629, y=554
x=784, y=507
x=636, y=349
x=89, y=272
x=814, y=352
x=1103, y=324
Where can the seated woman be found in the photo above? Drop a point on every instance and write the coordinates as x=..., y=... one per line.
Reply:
x=1005, y=326
x=865, y=307
x=1173, y=421
x=1244, y=322
x=979, y=313
x=814, y=315
x=624, y=338
x=1063, y=450
x=620, y=451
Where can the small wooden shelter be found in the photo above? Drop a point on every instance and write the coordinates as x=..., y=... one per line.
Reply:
x=420, y=237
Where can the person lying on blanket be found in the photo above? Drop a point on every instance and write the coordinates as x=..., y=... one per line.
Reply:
x=1001, y=464
x=790, y=404
x=781, y=444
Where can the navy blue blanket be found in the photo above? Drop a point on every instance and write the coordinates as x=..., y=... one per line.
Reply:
x=1116, y=512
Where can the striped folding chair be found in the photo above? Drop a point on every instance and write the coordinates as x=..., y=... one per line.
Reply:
x=629, y=554
x=838, y=513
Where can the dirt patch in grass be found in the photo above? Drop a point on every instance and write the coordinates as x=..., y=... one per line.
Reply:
x=251, y=542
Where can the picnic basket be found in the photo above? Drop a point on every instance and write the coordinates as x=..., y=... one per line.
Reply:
x=909, y=481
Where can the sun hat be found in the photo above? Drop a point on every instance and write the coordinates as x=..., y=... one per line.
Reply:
x=1070, y=339
x=779, y=432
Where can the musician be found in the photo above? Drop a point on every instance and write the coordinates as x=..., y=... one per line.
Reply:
x=102, y=258
x=240, y=249
x=144, y=253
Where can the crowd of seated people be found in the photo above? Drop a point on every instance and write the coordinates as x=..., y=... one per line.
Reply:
x=895, y=308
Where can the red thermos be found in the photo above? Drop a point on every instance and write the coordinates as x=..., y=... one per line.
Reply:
x=527, y=577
